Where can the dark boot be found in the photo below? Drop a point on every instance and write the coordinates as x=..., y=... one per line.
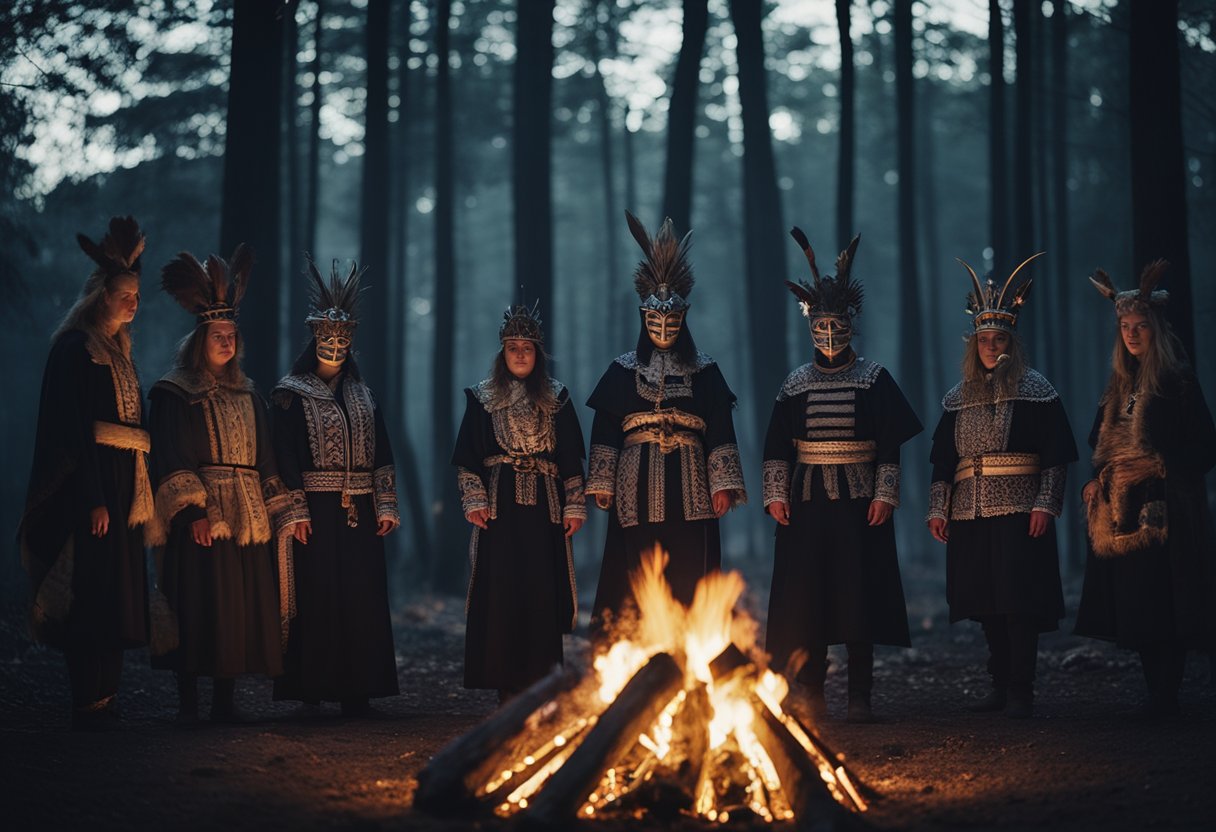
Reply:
x=991, y=702
x=1021, y=703
x=223, y=703
x=187, y=699
x=861, y=682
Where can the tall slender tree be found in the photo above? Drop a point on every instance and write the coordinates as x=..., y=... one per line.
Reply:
x=998, y=194
x=911, y=370
x=1159, y=210
x=1025, y=239
x=314, y=148
x=682, y=117
x=531, y=154
x=374, y=214
x=602, y=25
x=846, y=163
x=290, y=289
x=250, y=211
x=764, y=239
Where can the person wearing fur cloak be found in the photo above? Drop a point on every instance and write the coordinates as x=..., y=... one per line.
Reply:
x=664, y=461
x=219, y=499
x=334, y=456
x=519, y=458
x=831, y=481
x=90, y=498
x=1000, y=455
x=1150, y=572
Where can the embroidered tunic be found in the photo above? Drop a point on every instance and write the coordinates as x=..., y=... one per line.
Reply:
x=334, y=457
x=89, y=592
x=525, y=467
x=1158, y=587
x=994, y=461
x=833, y=446
x=214, y=460
x=662, y=443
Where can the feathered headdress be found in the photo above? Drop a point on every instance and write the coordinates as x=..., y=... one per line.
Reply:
x=991, y=309
x=663, y=278
x=119, y=250
x=211, y=291
x=522, y=323
x=839, y=295
x=1140, y=299
x=334, y=305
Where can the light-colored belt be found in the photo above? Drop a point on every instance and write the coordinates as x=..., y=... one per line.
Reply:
x=356, y=482
x=523, y=464
x=123, y=437
x=127, y=438
x=841, y=452
x=996, y=465
x=667, y=441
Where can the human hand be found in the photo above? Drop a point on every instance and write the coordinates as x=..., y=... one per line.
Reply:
x=573, y=524
x=939, y=529
x=721, y=501
x=479, y=517
x=879, y=512
x=99, y=521
x=200, y=530
x=1090, y=492
x=302, y=530
x=386, y=526
x=1039, y=521
x=779, y=511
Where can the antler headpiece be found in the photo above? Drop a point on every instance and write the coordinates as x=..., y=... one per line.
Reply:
x=993, y=309
x=1140, y=299
x=211, y=291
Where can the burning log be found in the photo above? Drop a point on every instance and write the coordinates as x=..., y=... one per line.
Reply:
x=447, y=786
x=633, y=712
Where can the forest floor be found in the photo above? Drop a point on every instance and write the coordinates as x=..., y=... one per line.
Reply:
x=1082, y=763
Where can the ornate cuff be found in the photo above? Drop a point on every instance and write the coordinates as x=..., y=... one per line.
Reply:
x=939, y=501
x=776, y=481
x=726, y=471
x=176, y=491
x=473, y=495
x=575, y=507
x=285, y=507
x=601, y=470
x=1051, y=491
x=384, y=487
x=886, y=484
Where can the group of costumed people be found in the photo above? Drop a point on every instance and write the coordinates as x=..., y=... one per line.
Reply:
x=267, y=521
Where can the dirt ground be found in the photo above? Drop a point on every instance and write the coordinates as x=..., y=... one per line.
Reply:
x=1081, y=763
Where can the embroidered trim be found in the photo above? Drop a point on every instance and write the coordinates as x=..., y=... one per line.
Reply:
x=939, y=501
x=861, y=375
x=384, y=484
x=473, y=495
x=176, y=491
x=1051, y=490
x=886, y=484
x=694, y=483
x=656, y=483
x=330, y=433
x=128, y=400
x=231, y=427
x=136, y=440
x=234, y=504
x=359, y=482
x=652, y=378
x=726, y=471
x=601, y=470
x=1032, y=387
x=628, y=470
x=286, y=507
x=574, y=506
x=775, y=481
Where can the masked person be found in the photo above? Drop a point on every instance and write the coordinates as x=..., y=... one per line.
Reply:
x=831, y=481
x=89, y=498
x=663, y=456
x=333, y=451
x=218, y=495
x=519, y=457
x=1000, y=454
x=1150, y=574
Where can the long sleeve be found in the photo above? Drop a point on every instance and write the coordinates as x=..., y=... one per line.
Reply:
x=384, y=476
x=68, y=412
x=286, y=429
x=570, y=456
x=467, y=456
x=607, y=437
x=895, y=422
x=285, y=507
x=778, y=455
x=944, y=459
x=180, y=494
x=725, y=469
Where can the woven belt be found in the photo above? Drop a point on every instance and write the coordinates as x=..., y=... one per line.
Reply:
x=123, y=437
x=667, y=441
x=523, y=464
x=836, y=453
x=136, y=440
x=668, y=419
x=996, y=465
x=356, y=482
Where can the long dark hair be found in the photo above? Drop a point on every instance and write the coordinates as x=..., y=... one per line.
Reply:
x=537, y=385
x=192, y=357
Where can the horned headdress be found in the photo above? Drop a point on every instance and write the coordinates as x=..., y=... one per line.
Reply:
x=993, y=309
x=1140, y=299
x=210, y=291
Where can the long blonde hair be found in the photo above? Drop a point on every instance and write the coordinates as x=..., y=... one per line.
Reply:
x=1004, y=378
x=1146, y=375
x=192, y=357
x=86, y=314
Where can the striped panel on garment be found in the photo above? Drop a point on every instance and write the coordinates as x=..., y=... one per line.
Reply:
x=831, y=414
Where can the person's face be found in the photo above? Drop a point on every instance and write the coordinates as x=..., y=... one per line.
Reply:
x=991, y=344
x=122, y=299
x=220, y=343
x=520, y=355
x=332, y=349
x=663, y=329
x=831, y=334
x=1137, y=333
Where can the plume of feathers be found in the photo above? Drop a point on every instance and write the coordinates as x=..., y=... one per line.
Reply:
x=1104, y=284
x=342, y=291
x=215, y=285
x=1150, y=276
x=1146, y=292
x=120, y=248
x=665, y=259
x=836, y=295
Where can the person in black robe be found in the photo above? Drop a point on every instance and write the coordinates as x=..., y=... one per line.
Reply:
x=334, y=456
x=217, y=499
x=1000, y=455
x=82, y=531
x=831, y=481
x=1150, y=572
x=663, y=461
x=519, y=457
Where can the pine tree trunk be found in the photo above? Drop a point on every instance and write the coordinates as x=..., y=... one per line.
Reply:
x=250, y=212
x=682, y=118
x=911, y=370
x=1024, y=242
x=374, y=319
x=846, y=164
x=997, y=135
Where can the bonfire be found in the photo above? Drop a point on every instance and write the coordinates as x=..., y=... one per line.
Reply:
x=680, y=717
